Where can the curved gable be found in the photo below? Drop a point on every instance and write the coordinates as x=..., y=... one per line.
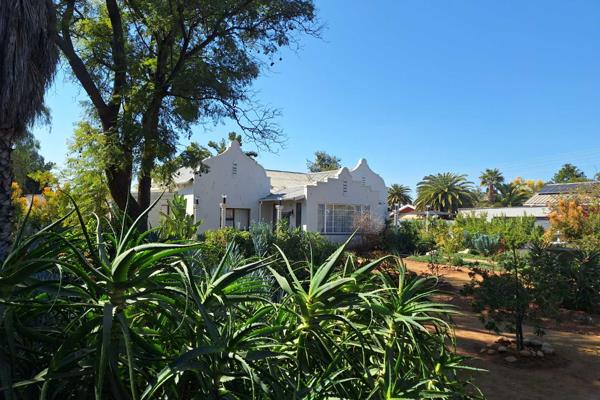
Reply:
x=364, y=174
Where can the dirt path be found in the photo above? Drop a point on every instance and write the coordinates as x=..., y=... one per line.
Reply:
x=576, y=376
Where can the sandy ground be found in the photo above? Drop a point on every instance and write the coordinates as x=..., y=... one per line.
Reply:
x=574, y=374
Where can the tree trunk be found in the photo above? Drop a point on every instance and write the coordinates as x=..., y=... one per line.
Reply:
x=6, y=208
x=491, y=193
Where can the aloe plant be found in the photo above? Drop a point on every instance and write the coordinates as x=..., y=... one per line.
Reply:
x=118, y=316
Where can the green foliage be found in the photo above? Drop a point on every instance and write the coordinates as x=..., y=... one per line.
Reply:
x=323, y=162
x=402, y=239
x=398, y=194
x=222, y=237
x=221, y=146
x=191, y=157
x=486, y=245
x=503, y=299
x=569, y=173
x=568, y=278
x=262, y=238
x=299, y=245
x=178, y=224
x=84, y=175
x=26, y=159
x=491, y=178
x=445, y=192
x=112, y=315
x=512, y=194
x=152, y=71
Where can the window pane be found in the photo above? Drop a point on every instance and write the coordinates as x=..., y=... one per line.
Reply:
x=329, y=222
x=321, y=218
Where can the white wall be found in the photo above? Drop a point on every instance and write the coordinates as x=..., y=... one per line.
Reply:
x=243, y=188
x=331, y=191
x=365, y=175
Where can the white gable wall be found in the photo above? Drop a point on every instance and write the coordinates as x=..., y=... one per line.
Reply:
x=234, y=174
x=364, y=174
x=331, y=191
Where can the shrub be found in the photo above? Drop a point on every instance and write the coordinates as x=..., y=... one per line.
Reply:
x=486, y=245
x=262, y=237
x=177, y=224
x=223, y=236
x=401, y=239
x=300, y=245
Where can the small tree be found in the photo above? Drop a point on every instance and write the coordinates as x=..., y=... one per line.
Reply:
x=503, y=299
x=323, y=162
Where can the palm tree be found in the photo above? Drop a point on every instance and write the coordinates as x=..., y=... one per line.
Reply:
x=28, y=58
x=512, y=194
x=444, y=192
x=398, y=194
x=491, y=178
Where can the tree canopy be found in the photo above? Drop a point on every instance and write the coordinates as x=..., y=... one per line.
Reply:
x=491, y=178
x=26, y=159
x=323, y=162
x=569, y=173
x=445, y=192
x=154, y=69
x=398, y=194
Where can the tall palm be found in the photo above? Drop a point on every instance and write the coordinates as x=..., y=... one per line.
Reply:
x=444, y=192
x=491, y=178
x=28, y=58
x=512, y=194
x=398, y=194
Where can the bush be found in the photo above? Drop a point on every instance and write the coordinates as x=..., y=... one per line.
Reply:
x=262, y=238
x=223, y=236
x=299, y=245
x=486, y=245
x=402, y=239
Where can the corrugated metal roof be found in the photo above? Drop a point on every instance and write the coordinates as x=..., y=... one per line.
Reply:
x=285, y=179
x=538, y=200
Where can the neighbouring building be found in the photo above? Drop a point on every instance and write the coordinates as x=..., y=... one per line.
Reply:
x=537, y=206
x=238, y=189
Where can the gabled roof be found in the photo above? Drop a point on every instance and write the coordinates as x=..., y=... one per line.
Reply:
x=290, y=193
x=287, y=179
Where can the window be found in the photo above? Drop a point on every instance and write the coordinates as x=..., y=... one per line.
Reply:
x=339, y=218
x=234, y=169
x=238, y=218
x=363, y=180
x=345, y=187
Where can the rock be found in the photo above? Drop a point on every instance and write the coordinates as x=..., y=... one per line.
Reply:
x=483, y=350
x=502, y=349
x=539, y=353
x=532, y=342
x=491, y=352
x=465, y=251
x=525, y=353
x=547, y=349
x=501, y=339
x=510, y=359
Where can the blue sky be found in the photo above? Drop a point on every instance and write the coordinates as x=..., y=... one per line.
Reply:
x=420, y=87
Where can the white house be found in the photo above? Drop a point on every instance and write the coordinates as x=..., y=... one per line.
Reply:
x=239, y=189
